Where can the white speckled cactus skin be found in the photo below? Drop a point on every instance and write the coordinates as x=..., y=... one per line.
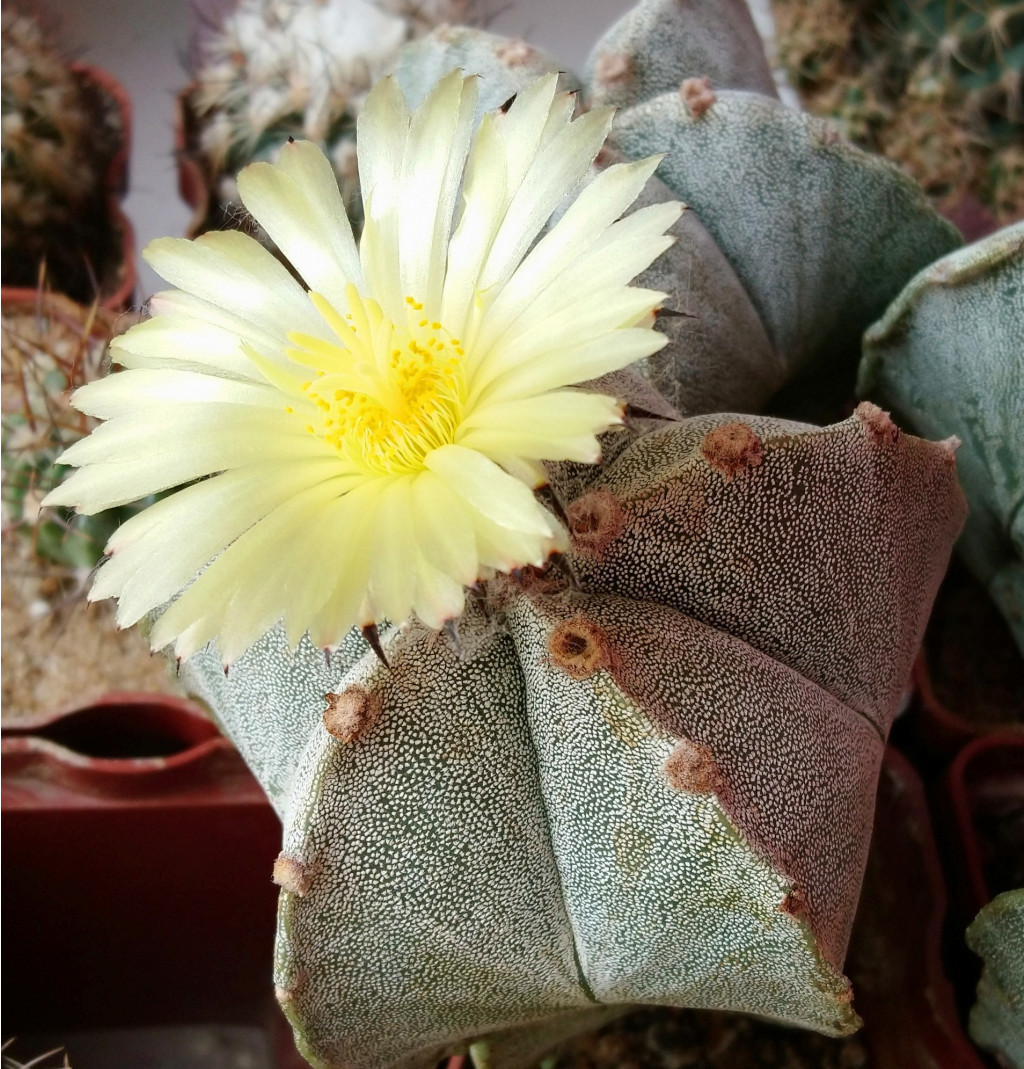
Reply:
x=647, y=777
x=521, y=834
x=949, y=353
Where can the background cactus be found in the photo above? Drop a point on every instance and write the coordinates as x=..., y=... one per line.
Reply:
x=49, y=347
x=61, y=134
x=997, y=936
x=933, y=84
x=949, y=353
x=268, y=71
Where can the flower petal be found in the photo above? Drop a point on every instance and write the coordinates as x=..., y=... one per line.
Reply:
x=382, y=131
x=129, y=459
x=579, y=229
x=562, y=425
x=298, y=203
x=432, y=170
x=494, y=494
x=158, y=552
x=557, y=169
x=183, y=342
x=131, y=391
x=235, y=272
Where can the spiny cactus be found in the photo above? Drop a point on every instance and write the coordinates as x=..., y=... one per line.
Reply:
x=274, y=69
x=933, y=84
x=50, y=347
x=60, y=135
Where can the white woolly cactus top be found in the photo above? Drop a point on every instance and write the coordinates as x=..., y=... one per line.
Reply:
x=275, y=59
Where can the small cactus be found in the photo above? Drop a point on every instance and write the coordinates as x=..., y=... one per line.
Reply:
x=61, y=134
x=274, y=69
x=50, y=347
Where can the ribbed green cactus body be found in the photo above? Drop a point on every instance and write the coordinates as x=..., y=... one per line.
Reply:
x=821, y=235
x=655, y=787
x=949, y=354
x=997, y=936
x=719, y=357
x=658, y=43
x=505, y=65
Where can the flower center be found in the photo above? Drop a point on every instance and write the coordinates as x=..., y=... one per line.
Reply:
x=386, y=394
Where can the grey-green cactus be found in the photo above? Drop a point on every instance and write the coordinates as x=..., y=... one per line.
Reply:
x=659, y=44
x=997, y=936
x=820, y=234
x=653, y=785
x=645, y=777
x=949, y=353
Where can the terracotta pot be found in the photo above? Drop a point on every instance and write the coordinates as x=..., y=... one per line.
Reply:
x=117, y=290
x=137, y=859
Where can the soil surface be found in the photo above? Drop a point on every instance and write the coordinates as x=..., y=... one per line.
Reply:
x=60, y=652
x=691, y=1039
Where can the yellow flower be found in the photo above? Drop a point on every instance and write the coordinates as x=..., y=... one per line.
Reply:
x=366, y=445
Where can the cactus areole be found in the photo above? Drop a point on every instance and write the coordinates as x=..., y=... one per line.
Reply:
x=638, y=765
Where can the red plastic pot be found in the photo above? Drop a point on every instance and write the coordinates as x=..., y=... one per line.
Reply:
x=895, y=960
x=981, y=811
x=137, y=859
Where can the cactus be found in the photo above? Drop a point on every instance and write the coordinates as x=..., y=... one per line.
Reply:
x=641, y=772
x=949, y=353
x=269, y=71
x=933, y=84
x=820, y=234
x=997, y=1018
x=656, y=46
x=50, y=347
x=61, y=133
x=655, y=787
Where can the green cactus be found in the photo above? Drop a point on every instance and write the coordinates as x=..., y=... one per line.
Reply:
x=933, y=84
x=997, y=936
x=49, y=347
x=949, y=353
x=60, y=135
x=266, y=72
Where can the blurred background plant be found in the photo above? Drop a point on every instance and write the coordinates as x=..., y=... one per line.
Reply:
x=268, y=70
x=935, y=85
x=49, y=348
x=61, y=133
